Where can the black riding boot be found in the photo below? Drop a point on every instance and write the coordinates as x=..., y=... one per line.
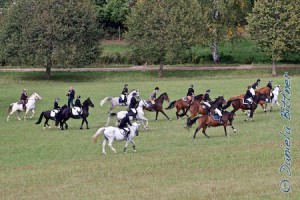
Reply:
x=220, y=120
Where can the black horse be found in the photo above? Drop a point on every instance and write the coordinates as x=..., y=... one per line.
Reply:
x=66, y=114
x=47, y=116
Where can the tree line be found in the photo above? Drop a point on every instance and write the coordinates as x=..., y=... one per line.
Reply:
x=66, y=33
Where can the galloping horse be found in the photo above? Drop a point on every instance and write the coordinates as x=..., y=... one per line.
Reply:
x=68, y=113
x=208, y=120
x=275, y=93
x=181, y=104
x=264, y=91
x=113, y=133
x=239, y=104
x=140, y=114
x=49, y=114
x=198, y=108
x=30, y=105
x=158, y=105
x=115, y=100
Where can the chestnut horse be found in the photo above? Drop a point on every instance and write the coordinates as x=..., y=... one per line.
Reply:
x=239, y=104
x=157, y=107
x=208, y=120
x=181, y=104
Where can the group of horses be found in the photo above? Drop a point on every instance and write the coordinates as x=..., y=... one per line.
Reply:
x=198, y=112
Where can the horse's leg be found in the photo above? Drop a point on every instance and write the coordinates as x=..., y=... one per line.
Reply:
x=196, y=131
x=156, y=115
x=18, y=117
x=165, y=114
x=110, y=141
x=177, y=113
x=225, y=131
x=103, y=146
x=203, y=131
x=133, y=145
x=144, y=120
x=126, y=145
x=33, y=112
x=108, y=120
x=26, y=112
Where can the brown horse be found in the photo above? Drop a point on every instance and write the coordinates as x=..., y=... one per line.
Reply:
x=198, y=108
x=183, y=105
x=157, y=107
x=264, y=91
x=208, y=120
x=239, y=104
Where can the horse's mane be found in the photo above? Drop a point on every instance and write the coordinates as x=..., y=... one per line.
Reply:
x=216, y=99
x=198, y=96
x=162, y=95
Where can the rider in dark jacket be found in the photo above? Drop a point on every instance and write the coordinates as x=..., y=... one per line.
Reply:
x=124, y=125
x=132, y=106
x=56, y=107
x=23, y=98
x=190, y=95
x=124, y=94
x=248, y=98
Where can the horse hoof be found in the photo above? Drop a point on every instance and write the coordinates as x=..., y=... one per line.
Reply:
x=234, y=131
x=81, y=128
x=134, y=151
x=104, y=153
x=44, y=128
x=87, y=128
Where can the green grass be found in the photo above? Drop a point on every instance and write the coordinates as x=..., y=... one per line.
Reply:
x=169, y=164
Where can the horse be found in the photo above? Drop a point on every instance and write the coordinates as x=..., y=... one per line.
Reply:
x=140, y=115
x=30, y=105
x=183, y=105
x=157, y=107
x=208, y=120
x=67, y=113
x=115, y=100
x=113, y=133
x=49, y=114
x=275, y=93
x=239, y=104
x=198, y=108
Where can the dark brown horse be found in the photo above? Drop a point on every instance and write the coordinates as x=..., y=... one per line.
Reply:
x=239, y=104
x=208, y=120
x=199, y=108
x=183, y=105
x=157, y=107
x=264, y=91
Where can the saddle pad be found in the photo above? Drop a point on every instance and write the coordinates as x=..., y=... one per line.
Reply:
x=216, y=117
x=75, y=111
x=52, y=114
x=184, y=99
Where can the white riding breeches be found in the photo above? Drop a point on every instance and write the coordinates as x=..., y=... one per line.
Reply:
x=250, y=100
x=252, y=91
x=133, y=110
x=122, y=97
x=218, y=112
x=206, y=103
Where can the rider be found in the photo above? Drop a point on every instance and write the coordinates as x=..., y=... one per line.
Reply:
x=124, y=94
x=71, y=96
x=190, y=95
x=248, y=98
x=206, y=98
x=132, y=106
x=269, y=85
x=153, y=95
x=254, y=87
x=23, y=98
x=78, y=105
x=124, y=125
x=218, y=110
x=56, y=107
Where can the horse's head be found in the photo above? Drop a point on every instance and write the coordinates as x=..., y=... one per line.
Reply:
x=36, y=96
x=135, y=126
x=88, y=102
x=277, y=88
x=220, y=99
x=143, y=103
x=164, y=96
x=136, y=92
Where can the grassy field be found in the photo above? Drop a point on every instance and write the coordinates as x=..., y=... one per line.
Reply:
x=168, y=164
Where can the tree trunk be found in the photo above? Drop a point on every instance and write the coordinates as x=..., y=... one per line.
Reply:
x=48, y=72
x=215, y=52
x=274, y=68
x=160, y=71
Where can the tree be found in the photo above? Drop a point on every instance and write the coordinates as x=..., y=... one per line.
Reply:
x=50, y=33
x=163, y=31
x=275, y=26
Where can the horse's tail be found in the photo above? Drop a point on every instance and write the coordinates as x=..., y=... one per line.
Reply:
x=184, y=112
x=227, y=105
x=40, y=119
x=96, y=135
x=171, y=105
x=10, y=108
x=106, y=99
x=192, y=121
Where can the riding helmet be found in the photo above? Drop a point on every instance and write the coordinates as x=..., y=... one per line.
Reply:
x=125, y=85
x=134, y=94
x=78, y=97
x=258, y=80
x=157, y=88
x=208, y=90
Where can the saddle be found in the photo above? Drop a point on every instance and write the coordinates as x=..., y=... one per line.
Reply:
x=53, y=112
x=123, y=102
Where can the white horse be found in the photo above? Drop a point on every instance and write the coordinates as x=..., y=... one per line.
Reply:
x=140, y=115
x=275, y=99
x=113, y=133
x=30, y=105
x=115, y=100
